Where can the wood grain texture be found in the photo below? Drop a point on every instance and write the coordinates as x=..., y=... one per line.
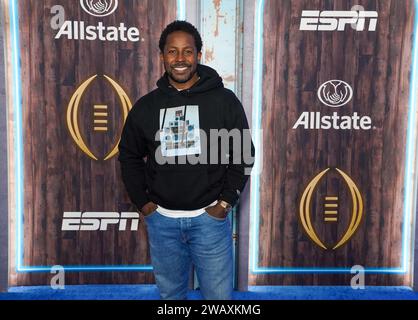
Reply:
x=377, y=66
x=58, y=176
x=4, y=212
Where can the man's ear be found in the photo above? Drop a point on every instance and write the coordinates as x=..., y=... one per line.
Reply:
x=199, y=56
x=161, y=57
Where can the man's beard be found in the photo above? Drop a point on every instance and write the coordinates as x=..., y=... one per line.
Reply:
x=182, y=79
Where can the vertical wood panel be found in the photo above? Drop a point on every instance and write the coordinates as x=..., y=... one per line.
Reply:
x=58, y=175
x=377, y=66
x=4, y=223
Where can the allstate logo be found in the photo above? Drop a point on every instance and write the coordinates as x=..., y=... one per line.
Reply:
x=99, y=8
x=335, y=93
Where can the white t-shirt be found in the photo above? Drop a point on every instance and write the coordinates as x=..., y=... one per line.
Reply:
x=182, y=213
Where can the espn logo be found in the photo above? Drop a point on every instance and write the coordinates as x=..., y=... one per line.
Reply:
x=93, y=221
x=314, y=20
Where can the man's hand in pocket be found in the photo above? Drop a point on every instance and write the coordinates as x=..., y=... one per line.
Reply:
x=148, y=208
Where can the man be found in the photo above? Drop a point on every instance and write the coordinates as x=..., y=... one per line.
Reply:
x=185, y=205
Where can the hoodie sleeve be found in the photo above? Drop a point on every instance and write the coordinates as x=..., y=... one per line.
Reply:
x=132, y=150
x=241, y=153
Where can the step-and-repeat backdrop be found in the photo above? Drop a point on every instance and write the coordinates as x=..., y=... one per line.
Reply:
x=331, y=91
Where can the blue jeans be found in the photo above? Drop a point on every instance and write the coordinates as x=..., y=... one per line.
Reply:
x=205, y=241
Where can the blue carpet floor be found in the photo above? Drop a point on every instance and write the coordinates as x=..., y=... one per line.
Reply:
x=150, y=292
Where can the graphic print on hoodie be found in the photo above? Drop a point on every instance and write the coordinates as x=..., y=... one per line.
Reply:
x=180, y=131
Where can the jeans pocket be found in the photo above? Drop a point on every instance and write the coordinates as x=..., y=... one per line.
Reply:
x=216, y=218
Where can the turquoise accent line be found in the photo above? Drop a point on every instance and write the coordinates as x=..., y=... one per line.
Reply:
x=409, y=179
x=256, y=124
x=18, y=143
x=92, y=268
x=181, y=9
x=272, y=270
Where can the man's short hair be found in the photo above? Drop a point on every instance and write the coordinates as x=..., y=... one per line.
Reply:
x=184, y=26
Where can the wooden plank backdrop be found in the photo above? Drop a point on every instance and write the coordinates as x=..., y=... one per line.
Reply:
x=377, y=65
x=58, y=176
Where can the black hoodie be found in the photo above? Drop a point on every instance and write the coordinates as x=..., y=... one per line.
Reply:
x=176, y=117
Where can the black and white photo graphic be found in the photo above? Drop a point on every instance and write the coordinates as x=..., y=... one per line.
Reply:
x=179, y=133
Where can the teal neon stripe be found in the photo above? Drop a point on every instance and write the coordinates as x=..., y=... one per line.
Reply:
x=181, y=9
x=18, y=143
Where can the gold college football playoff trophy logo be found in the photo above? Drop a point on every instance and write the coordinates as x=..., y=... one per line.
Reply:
x=100, y=113
x=331, y=209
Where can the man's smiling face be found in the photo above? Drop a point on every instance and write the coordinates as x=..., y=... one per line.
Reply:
x=180, y=59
